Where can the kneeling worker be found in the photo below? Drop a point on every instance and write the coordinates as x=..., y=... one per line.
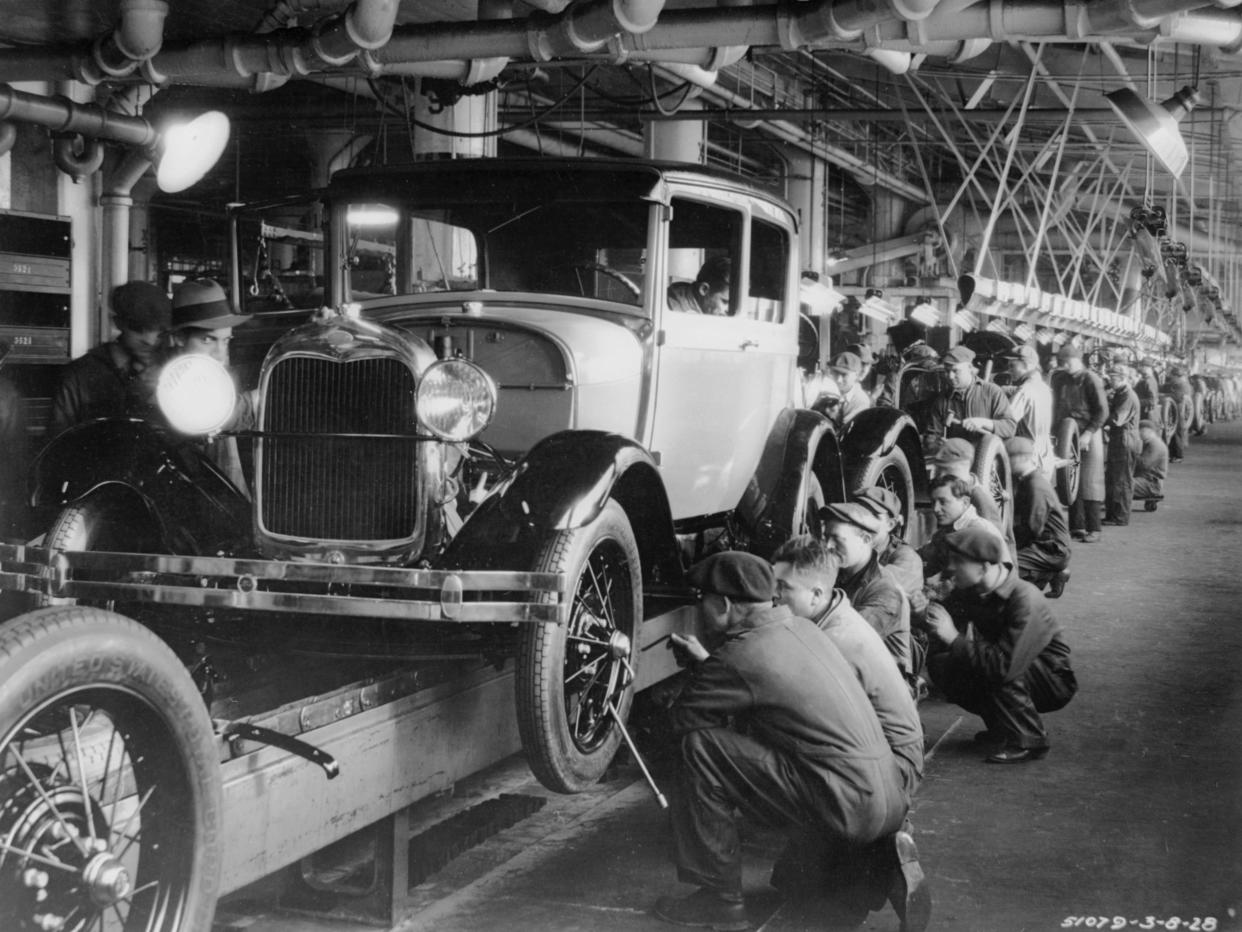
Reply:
x=1016, y=665
x=812, y=755
x=1040, y=525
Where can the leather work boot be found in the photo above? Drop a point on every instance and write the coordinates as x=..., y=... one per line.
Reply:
x=1056, y=588
x=705, y=908
x=910, y=893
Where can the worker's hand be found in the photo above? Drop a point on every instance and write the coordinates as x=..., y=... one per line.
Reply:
x=1084, y=440
x=978, y=425
x=940, y=622
x=686, y=648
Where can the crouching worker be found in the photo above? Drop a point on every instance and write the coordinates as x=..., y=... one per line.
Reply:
x=774, y=723
x=1016, y=664
x=1040, y=524
x=1152, y=467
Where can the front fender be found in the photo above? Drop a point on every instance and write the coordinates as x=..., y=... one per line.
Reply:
x=561, y=484
x=192, y=502
x=801, y=442
x=875, y=432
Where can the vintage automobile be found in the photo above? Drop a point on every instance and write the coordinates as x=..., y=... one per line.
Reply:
x=496, y=439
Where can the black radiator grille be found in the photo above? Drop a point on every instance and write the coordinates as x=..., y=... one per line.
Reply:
x=340, y=488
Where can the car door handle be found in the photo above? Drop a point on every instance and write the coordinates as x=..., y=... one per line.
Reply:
x=748, y=344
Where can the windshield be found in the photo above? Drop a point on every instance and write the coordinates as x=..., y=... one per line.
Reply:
x=573, y=248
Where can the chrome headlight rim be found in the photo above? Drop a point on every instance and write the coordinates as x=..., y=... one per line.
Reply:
x=480, y=390
x=196, y=394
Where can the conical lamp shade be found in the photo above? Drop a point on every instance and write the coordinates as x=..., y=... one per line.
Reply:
x=190, y=150
x=1155, y=125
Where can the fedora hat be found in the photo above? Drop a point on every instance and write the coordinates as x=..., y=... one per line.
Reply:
x=202, y=304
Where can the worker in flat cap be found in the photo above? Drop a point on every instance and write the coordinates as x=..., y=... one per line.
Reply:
x=116, y=379
x=1124, y=445
x=890, y=545
x=202, y=322
x=1152, y=466
x=866, y=376
x=953, y=511
x=850, y=530
x=1031, y=405
x=1040, y=524
x=904, y=564
x=1147, y=387
x=1079, y=393
x=1177, y=384
x=970, y=407
x=956, y=457
x=996, y=649
x=813, y=755
x=846, y=369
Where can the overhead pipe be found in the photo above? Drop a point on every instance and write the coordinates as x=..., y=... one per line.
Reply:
x=63, y=115
x=76, y=155
x=115, y=202
x=467, y=71
x=643, y=30
x=1064, y=21
x=139, y=35
x=234, y=60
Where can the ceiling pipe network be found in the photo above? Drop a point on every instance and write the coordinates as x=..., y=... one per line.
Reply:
x=465, y=70
x=139, y=35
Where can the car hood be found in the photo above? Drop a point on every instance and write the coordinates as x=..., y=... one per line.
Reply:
x=601, y=342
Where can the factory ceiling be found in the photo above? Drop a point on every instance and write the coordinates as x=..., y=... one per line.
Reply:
x=989, y=119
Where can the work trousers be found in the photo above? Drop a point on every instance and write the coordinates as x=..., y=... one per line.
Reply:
x=1010, y=709
x=1148, y=488
x=1180, y=439
x=1119, y=483
x=723, y=770
x=1088, y=508
x=1038, y=566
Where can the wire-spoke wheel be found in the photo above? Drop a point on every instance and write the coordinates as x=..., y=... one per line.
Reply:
x=573, y=679
x=110, y=805
x=889, y=471
x=991, y=471
x=1069, y=460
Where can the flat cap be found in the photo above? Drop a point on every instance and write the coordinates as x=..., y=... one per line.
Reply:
x=1027, y=353
x=862, y=351
x=1019, y=446
x=852, y=513
x=141, y=306
x=1069, y=351
x=954, y=450
x=880, y=500
x=957, y=356
x=846, y=362
x=978, y=544
x=735, y=575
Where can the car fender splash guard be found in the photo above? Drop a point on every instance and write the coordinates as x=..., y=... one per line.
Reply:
x=563, y=483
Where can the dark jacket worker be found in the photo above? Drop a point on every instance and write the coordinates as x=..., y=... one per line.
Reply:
x=773, y=722
x=996, y=649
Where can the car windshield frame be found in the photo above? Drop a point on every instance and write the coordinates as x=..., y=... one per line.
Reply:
x=539, y=231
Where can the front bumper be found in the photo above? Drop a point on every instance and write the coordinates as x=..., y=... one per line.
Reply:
x=280, y=586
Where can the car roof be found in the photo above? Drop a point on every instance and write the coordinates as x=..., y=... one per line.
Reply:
x=587, y=179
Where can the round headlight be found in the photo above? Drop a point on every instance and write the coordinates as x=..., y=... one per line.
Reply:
x=456, y=400
x=196, y=394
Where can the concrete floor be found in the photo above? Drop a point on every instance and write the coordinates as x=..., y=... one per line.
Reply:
x=1136, y=815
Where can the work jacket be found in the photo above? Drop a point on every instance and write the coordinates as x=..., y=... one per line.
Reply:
x=1012, y=626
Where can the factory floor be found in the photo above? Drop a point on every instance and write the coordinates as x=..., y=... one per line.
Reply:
x=1134, y=820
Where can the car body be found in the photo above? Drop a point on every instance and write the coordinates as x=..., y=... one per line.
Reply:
x=495, y=408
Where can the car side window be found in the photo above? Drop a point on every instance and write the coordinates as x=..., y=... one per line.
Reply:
x=704, y=252
x=769, y=259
